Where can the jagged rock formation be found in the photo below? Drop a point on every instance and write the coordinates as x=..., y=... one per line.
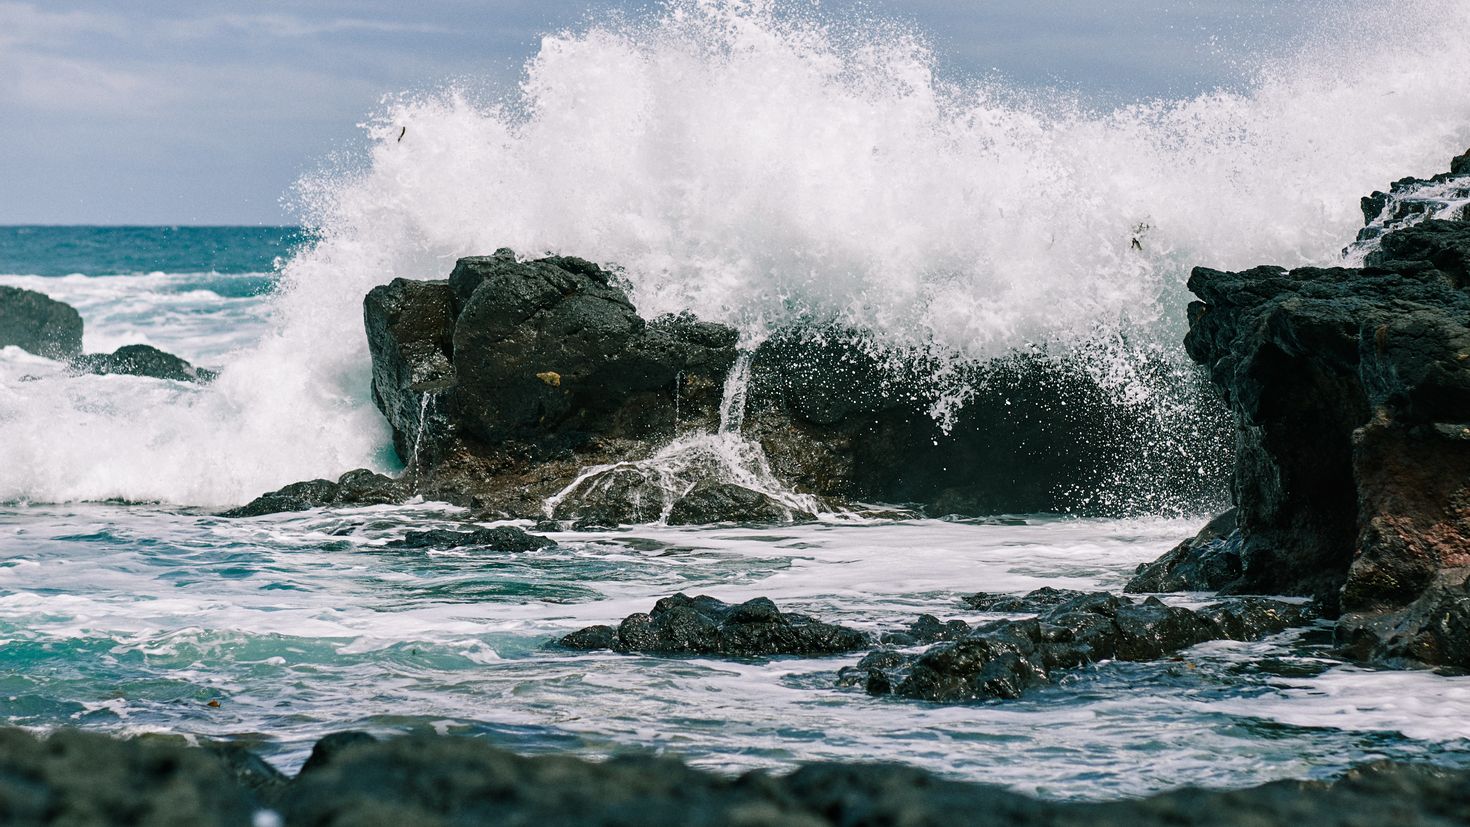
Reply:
x=88, y=780
x=504, y=382
x=39, y=324
x=1351, y=392
x=683, y=625
x=1072, y=629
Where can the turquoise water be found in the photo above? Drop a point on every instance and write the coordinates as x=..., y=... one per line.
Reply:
x=108, y=251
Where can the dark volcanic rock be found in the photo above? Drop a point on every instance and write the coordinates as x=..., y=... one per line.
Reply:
x=1005, y=658
x=142, y=360
x=1035, y=602
x=424, y=780
x=717, y=502
x=927, y=629
x=354, y=488
x=1208, y=562
x=84, y=780
x=841, y=416
x=705, y=626
x=500, y=538
x=410, y=327
x=37, y=323
x=87, y=780
x=1351, y=390
x=503, y=383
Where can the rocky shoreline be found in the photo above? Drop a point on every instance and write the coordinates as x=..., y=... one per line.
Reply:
x=533, y=390
x=82, y=779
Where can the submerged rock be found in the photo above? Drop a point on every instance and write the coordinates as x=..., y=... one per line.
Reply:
x=1351, y=391
x=354, y=488
x=39, y=324
x=500, y=538
x=683, y=625
x=1003, y=659
x=142, y=360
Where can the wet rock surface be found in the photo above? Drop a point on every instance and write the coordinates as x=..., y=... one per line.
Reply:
x=39, y=324
x=715, y=502
x=85, y=780
x=142, y=360
x=1003, y=659
x=1208, y=562
x=683, y=625
x=841, y=416
x=354, y=488
x=506, y=381
x=1351, y=392
x=500, y=538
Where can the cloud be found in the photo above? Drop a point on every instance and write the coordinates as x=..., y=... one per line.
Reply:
x=293, y=26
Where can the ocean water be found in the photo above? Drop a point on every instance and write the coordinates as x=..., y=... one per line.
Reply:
x=754, y=165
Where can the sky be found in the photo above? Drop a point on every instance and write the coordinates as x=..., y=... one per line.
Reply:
x=206, y=112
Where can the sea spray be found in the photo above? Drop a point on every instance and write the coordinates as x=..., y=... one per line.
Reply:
x=652, y=487
x=758, y=167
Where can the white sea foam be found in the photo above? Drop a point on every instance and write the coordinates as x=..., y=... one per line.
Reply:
x=303, y=624
x=753, y=165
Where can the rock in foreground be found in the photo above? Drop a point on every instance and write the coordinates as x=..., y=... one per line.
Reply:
x=85, y=780
x=39, y=324
x=683, y=625
x=1005, y=658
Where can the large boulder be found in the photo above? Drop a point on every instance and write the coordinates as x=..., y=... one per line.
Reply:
x=1351, y=392
x=38, y=323
x=502, y=383
x=533, y=388
x=530, y=387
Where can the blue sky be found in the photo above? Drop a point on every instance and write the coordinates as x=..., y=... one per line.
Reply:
x=205, y=112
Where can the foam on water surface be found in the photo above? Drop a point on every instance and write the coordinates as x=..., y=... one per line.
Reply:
x=132, y=619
